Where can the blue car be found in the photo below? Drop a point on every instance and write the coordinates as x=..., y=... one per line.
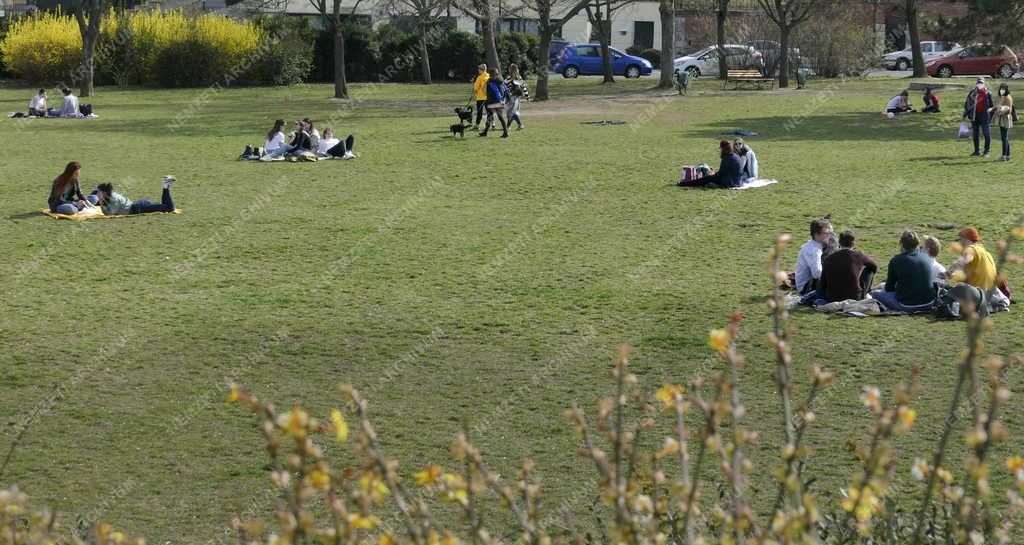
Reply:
x=585, y=60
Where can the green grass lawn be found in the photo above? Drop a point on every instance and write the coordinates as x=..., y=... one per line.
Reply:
x=480, y=279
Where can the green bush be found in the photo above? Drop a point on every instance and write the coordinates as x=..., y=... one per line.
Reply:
x=287, y=60
x=400, y=55
x=634, y=50
x=518, y=48
x=652, y=55
x=455, y=56
x=204, y=66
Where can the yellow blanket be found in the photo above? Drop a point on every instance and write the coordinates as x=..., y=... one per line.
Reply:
x=97, y=216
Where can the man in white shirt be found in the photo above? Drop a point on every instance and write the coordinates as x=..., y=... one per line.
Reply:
x=37, y=106
x=808, y=261
x=70, y=106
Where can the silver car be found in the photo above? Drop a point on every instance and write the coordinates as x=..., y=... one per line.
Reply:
x=705, y=61
x=904, y=60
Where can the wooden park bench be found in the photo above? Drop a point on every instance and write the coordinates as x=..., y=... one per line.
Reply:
x=751, y=77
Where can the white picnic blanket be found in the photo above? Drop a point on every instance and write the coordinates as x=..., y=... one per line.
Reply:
x=760, y=182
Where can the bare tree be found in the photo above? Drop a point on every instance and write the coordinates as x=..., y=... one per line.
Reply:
x=915, y=39
x=546, y=27
x=721, y=14
x=600, y=13
x=787, y=14
x=667, y=12
x=428, y=15
x=89, y=14
x=483, y=12
x=330, y=12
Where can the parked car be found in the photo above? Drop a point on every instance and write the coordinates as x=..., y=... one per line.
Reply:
x=555, y=50
x=904, y=60
x=705, y=61
x=585, y=60
x=976, y=60
x=771, y=55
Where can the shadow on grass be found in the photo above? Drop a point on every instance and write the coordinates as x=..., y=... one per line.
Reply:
x=26, y=215
x=858, y=126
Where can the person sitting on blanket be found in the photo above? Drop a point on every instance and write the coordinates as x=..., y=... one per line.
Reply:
x=976, y=265
x=314, y=135
x=933, y=248
x=748, y=160
x=66, y=193
x=300, y=142
x=116, y=204
x=37, y=106
x=69, y=108
x=899, y=104
x=808, y=261
x=931, y=102
x=275, y=138
x=910, y=284
x=846, y=274
x=728, y=175
x=332, y=147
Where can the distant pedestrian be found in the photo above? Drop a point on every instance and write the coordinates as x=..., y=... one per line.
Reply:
x=977, y=108
x=517, y=92
x=480, y=93
x=496, y=102
x=1003, y=115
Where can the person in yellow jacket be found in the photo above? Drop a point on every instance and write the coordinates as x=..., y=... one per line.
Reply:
x=480, y=93
x=976, y=264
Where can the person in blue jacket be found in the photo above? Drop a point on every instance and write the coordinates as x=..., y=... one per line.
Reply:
x=729, y=170
x=976, y=108
x=496, y=91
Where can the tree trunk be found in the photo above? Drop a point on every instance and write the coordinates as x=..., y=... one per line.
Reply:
x=723, y=59
x=606, y=59
x=915, y=39
x=544, y=66
x=668, y=20
x=490, y=46
x=784, y=56
x=425, y=62
x=340, y=85
x=88, y=61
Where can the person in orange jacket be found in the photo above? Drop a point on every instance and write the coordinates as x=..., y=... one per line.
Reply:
x=480, y=93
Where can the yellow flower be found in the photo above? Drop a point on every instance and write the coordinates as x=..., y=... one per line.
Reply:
x=295, y=423
x=1018, y=232
x=719, y=339
x=1014, y=464
x=919, y=470
x=370, y=484
x=667, y=395
x=907, y=416
x=671, y=447
x=340, y=426
x=319, y=479
x=233, y=393
x=944, y=475
x=355, y=520
x=386, y=540
x=428, y=476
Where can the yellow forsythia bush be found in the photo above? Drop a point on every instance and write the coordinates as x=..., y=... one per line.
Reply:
x=43, y=48
x=48, y=47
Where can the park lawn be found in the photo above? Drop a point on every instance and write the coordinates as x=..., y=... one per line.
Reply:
x=484, y=281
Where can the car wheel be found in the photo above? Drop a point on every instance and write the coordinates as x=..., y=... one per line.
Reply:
x=570, y=72
x=632, y=71
x=902, y=64
x=1006, y=71
x=694, y=71
x=945, y=71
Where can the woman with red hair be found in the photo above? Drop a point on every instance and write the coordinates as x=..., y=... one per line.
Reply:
x=65, y=194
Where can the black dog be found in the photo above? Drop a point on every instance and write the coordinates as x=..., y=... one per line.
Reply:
x=458, y=129
x=465, y=115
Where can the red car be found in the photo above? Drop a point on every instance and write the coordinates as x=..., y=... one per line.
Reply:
x=975, y=60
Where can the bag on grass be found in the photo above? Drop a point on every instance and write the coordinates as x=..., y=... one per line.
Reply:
x=962, y=133
x=85, y=109
x=688, y=173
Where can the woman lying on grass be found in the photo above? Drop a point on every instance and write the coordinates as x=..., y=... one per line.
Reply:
x=332, y=147
x=66, y=194
x=116, y=204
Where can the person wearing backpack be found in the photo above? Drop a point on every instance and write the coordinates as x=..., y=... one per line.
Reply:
x=1003, y=114
x=517, y=93
x=495, y=102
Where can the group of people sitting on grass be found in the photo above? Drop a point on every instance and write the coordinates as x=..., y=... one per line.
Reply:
x=66, y=197
x=69, y=108
x=304, y=143
x=830, y=269
x=900, y=104
x=738, y=165
x=499, y=97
